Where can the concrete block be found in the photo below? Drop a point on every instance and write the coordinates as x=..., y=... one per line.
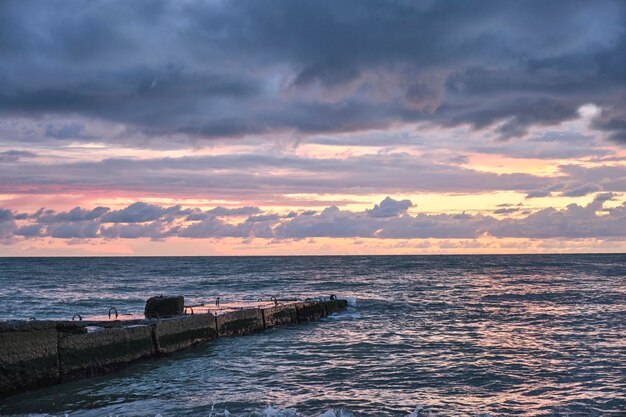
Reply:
x=333, y=306
x=239, y=322
x=28, y=355
x=279, y=315
x=93, y=353
x=66, y=326
x=171, y=335
x=164, y=307
x=310, y=311
x=140, y=342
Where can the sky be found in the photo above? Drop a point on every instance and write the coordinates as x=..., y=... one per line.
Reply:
x=312, y=127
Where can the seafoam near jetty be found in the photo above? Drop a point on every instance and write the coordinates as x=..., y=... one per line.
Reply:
x=38, y=353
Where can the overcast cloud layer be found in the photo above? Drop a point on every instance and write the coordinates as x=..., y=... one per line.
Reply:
x=263, y=176
x=218, y=69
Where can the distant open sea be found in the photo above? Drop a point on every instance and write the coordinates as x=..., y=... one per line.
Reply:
x=536, y=335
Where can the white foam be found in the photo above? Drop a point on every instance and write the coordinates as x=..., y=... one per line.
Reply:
x=342, y=315
x=333, y=413
x=420, y=411
x=272, y=411
x=351, y=301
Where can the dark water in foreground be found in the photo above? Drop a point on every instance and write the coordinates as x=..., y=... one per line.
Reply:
x=450, y=336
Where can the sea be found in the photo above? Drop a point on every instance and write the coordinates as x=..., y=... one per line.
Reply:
x=496, y=335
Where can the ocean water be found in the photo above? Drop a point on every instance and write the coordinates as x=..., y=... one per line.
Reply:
x=424, y=336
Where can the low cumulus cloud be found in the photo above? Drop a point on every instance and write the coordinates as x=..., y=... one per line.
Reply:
x=142, y=212
x=7, y=226
x=390, y=208
x=538, y=194
x=230, y=69
x=386, y=220
x=582, y=190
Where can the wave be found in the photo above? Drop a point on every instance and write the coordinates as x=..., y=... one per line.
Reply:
x=272, y=411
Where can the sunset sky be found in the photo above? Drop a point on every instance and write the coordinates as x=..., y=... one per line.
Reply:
x=312, y=127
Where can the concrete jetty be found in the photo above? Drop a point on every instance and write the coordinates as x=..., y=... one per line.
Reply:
x=39, y=353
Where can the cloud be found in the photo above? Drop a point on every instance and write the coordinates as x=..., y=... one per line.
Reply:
x=7, y=226
x=277, y=175
x=141, y=212
x=239, y=211
x=231, y=69
x=573, y=222
x=31, y=230
x=74, y=215
x=71, y=230
x=14, y=156
x=155, y=230
x=6, y=215
x=582, y=190
x=505, y=211
x=538, y=194
x=215, y=228
x=390, y=208
x=67, y=131
x=263, y=218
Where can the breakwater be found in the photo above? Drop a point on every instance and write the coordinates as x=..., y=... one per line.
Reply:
x=38, y=353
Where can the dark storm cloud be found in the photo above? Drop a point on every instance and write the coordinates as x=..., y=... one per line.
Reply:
x=573, y=222
x=219, y=69
x=67, y=131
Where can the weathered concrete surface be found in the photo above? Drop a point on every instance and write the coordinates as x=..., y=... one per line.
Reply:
x=310, y=311
x=28, y=355
x=279, y=315
x=333, y=306
x=102, y=350
x=140, y=342
x=66, y=326
x=239, y=322
x=173, y=334
x=158, y=307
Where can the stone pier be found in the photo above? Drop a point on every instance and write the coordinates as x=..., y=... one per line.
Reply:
x=36, y=353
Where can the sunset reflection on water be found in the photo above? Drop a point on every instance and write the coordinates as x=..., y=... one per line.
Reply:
x=461, y=335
